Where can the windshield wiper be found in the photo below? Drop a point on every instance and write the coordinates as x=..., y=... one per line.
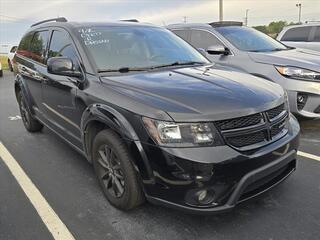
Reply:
x=127, y=69
x=177, y=64
x=122, y=70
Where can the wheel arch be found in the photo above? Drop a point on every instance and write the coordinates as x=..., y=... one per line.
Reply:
x=98, y=117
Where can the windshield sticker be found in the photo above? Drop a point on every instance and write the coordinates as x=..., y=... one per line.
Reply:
x=91, y=37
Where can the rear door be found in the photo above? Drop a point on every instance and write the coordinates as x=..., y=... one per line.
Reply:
x=59, y=92
x=31, y=57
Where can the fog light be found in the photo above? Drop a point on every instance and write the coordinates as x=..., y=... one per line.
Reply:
x=202, y=195
x=205, y=197
x=300, y=99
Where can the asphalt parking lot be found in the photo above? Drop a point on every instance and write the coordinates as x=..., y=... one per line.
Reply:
x=66, y=181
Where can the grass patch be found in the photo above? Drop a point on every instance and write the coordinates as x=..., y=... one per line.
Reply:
x=4, y=62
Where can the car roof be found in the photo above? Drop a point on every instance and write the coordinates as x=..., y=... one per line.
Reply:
x=311, y=24
x=206, y=25
x=73, y=25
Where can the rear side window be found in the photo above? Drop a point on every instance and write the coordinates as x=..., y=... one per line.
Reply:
x=317, y=35
x=38, y=46
x=24, y=46
x=299, y=34
x=61, y=46
x=181, y=33
x=203, y=39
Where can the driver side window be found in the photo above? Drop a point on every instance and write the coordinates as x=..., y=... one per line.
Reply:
x=203, y=39
x=61, y=46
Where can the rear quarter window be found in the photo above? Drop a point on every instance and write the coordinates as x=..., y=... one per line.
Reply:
x=298, y=34
x=24, y=46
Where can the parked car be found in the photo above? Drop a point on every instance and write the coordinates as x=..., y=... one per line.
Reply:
x=1, y=71
x=153, y=116
x=11, y=54
x=231, y=44
x=301, y=36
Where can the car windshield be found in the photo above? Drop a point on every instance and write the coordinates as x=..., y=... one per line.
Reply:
x=137, y=47
x=249, y=39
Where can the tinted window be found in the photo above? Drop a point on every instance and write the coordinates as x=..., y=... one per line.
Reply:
x=38, y=46
x=24, y=45
x=317, y=35
x=249, y=39
x=181, y=33
x=299, y=34
x=203, y=39
x=136, y=47
x=61, y=46
x=13, y=49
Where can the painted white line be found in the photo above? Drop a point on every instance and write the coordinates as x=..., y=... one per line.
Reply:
x=54, y=224
x=308, y=155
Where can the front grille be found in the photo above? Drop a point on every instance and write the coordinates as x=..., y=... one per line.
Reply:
x=278, y=128
x=248, y=139
x=255, y=130
x=274, y=112
x=240, y=122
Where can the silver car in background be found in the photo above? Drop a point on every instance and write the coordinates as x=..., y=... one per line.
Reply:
x=301, y=36
x=245, y=49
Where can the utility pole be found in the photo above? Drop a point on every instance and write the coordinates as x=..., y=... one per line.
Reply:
x=246, y=18
x=220, y=10
x=299, y=5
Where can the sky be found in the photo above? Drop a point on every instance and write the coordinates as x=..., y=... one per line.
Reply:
x=16, y=16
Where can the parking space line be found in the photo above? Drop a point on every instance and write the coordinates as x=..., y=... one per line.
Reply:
x=54, y=224
x=308, y=155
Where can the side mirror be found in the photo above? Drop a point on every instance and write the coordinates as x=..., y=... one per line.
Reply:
x=202, y=51
x=218, y=50
x=62, y=66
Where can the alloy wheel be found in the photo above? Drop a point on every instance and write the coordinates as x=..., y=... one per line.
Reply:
x=110, y=171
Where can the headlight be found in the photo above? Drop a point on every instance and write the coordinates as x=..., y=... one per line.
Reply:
x=298, y=73
x=182, y=134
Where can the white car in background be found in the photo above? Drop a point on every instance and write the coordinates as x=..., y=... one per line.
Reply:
x=301, y=36
x=11, y=54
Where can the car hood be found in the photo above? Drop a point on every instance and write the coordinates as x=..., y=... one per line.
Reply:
x=198, y=93
x=296, y=57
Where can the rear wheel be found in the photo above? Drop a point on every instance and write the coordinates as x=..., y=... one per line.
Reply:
x=115, y=172
x=31, y=124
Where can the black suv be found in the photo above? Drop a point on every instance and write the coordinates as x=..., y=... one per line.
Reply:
x=156, y=119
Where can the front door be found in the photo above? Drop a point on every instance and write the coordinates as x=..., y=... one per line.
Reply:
x=60, y=92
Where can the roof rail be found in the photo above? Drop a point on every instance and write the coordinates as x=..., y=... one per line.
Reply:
x=129, y=20
x=59, y=19
x=225, y=24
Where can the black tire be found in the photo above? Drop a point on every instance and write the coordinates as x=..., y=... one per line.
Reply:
x=112, y=159
x=31, y=124
x=1, y=73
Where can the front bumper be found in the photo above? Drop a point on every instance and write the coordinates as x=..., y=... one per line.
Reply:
x=310, y=91
x=232, y=176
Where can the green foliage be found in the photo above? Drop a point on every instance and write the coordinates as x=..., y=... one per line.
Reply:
x=273, y=28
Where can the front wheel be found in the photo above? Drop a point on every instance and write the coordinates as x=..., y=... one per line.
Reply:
x=31, y=124
x=115, y=172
